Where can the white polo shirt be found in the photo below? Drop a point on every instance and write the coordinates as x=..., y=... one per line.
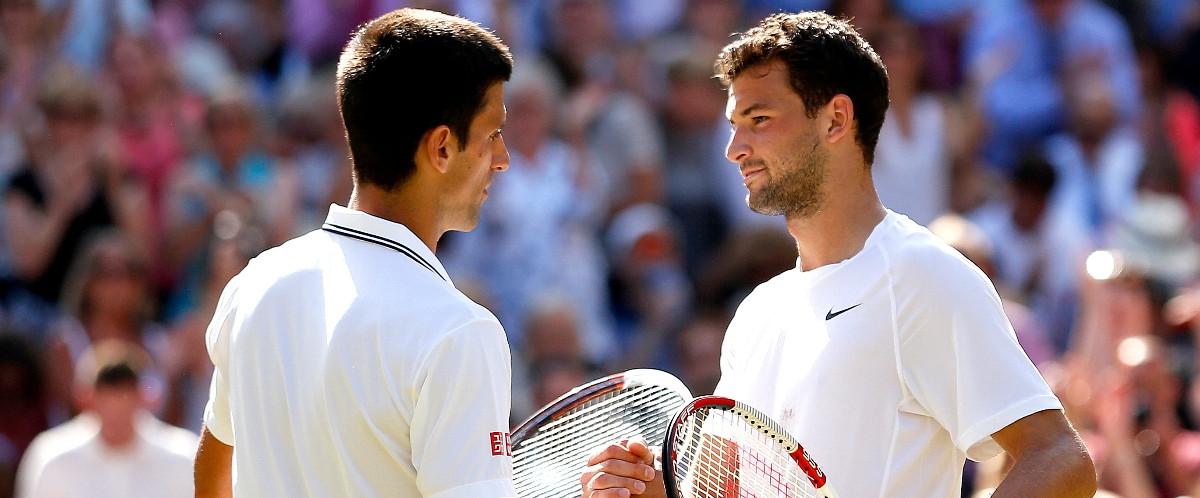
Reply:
x=76, y=462
x=889, y=367
x=347, y=364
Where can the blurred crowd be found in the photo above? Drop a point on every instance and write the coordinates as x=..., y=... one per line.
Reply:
x=150, y=148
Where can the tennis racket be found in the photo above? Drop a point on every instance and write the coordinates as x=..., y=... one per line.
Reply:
x=720, y=448
x=549, y=449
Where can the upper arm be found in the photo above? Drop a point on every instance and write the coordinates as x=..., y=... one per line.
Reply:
x=1051, y=461
x=218, y=418
x=459, y=428
x=214, y=467
x=1036, y=432
x=960, y=359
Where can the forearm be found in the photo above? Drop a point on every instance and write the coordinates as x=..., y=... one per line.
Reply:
x=1061, y=470
x=32, y=241
x=214, y=468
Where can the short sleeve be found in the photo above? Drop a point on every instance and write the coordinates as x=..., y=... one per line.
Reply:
x=728, y=386
x=217, y=417
x=459, y=431
x=960, y=358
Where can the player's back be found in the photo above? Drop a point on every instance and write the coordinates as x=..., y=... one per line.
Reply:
x=323, y=343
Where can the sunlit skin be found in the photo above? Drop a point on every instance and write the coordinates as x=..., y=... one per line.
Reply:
x=470, y=171
x=449, y=186
x=775, y=145
x=810, y=168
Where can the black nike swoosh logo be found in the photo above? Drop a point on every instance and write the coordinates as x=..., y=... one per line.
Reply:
x=831, y=314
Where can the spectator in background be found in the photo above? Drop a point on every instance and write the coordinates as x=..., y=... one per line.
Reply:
x=22, y=404
x=702, y=191
x=972, y=242
x=747, y=258
x=554, y=377
x=553, y=360
x=106, y=297
x=1098, y=160
x=91, y=25
x=651, y=294
x=867, y=16
x=698, y=351
x=1020, y=53
x=156, y=121
x=1153, y=234
x=185, y=364
x=25, y=54
x=942, y=24
x=624, y=145
x=72, y=186
x=539, y=231
x=1037, y=255
x=912, y=167
x=253, y=36
x=1125, y=386
x=706, y=25
x=310, y=140
x=235, y=179
x=117, y=449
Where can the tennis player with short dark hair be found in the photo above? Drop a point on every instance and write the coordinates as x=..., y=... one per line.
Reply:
x=885, y=352
x=347, y=364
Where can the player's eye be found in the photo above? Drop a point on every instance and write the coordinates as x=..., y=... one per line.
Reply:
x=759, y=119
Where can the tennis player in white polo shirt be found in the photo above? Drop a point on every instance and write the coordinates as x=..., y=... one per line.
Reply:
x=885, y=352
x=347, y=364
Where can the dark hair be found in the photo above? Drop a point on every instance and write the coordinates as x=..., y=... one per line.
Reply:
x=1034, y=173
x=825, y=56
x=112, y=363
x=19, y=354
x=406, y=73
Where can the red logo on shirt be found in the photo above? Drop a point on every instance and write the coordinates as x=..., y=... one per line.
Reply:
x=501, y=444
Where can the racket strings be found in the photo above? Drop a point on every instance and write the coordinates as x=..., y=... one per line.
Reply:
x=721, y=455
x=547, y=464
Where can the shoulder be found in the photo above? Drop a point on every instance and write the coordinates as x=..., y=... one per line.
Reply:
x=451, y=314
x=919, y=263
x=763, y=295
x=171, y=441
x=63, y=438
x=294, y=256
x=1095, y=15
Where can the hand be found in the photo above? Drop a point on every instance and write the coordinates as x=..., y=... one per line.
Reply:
x=621, y=470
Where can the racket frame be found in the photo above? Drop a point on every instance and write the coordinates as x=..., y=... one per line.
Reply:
x=759, y=421
x=593, y=389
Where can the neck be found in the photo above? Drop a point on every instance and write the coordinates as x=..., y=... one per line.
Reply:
x=839, y=229
x=409, y=205
x=118, y=437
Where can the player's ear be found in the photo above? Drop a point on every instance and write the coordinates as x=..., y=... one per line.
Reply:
x=839, y=118
x=436, y=147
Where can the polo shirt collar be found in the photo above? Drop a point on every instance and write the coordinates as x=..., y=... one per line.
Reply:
x=368, y=228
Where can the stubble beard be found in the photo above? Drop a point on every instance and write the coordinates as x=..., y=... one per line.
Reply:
x=794, y=188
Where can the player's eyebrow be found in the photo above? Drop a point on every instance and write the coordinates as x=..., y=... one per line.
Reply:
x=757, y=106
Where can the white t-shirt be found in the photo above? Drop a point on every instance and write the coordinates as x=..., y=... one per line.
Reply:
x=347, y=364
x=912, y=172
x=889, y=367
x=76, y=462
x=49, y=445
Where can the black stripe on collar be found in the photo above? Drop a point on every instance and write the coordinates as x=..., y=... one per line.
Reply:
x=383, y=241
